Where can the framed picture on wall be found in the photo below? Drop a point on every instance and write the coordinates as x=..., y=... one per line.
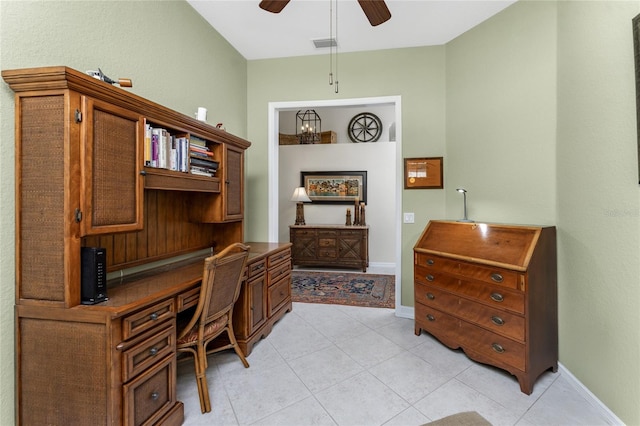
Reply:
x=335, y=187
x=423, y=173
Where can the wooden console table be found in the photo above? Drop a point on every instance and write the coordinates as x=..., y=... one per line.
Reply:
x=330, y=245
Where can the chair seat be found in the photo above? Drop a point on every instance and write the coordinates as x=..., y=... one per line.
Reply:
x=209, y=330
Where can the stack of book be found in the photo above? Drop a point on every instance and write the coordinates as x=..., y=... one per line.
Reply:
x=164, y=150
x=201, y=158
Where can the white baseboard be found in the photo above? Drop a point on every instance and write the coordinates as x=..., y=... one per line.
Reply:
x=605, y=412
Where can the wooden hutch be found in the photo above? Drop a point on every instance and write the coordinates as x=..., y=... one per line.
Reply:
x=82, y=181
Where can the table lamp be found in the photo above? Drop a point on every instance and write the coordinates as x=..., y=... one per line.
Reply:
x=464, y=194
x=300, y=196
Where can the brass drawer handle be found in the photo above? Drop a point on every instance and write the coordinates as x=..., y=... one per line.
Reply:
x=498, y=348
x=430, y=277
x=153, y=316
x=497, y=297
x=431, y=317
x=497, y=277
x=155, y=395
x=153, y=351
x=497, y=320
x=430, y=296
x=430, y=262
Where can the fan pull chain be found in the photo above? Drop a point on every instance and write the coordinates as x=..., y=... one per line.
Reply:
x=330, y=43
x=336, y=85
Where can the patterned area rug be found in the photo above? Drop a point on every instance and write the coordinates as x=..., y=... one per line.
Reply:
x=344, y=288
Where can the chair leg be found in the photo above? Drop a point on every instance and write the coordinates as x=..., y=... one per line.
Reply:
x=201, y=380
x=234, y=343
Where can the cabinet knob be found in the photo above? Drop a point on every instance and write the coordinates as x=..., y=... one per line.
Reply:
x=154, y=316
x=430, y=296
x=498, y=348
x=497, y=297
x=430, y=262
x=497, y=277
x=430, y=277
x=143, y=172
x=155, y=395
x=153, y=351
x=497, y=320
x=431, y=317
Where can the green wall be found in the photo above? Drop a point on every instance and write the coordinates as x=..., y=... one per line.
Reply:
x=173, y=57
x=533, y=110
x=598, y=203
x=416, y=74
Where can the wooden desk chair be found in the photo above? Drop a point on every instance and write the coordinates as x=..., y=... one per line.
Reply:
x=213, y=315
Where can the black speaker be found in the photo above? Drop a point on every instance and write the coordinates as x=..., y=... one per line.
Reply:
x=94, y=275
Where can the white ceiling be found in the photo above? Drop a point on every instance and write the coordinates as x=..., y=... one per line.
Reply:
x=258, y=34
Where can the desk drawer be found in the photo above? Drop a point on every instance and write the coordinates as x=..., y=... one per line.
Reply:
x=279, y=257
x=153, y=346
x=142, y=321
x=152, y=394
x=256, y=268
x=279, y=293
x=187, y=299
x=278, y=272
x=497, y=348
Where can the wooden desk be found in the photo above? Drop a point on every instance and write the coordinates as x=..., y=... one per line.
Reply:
x=124, y=349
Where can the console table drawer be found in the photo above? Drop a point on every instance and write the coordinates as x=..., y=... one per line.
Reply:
x=152, y=394
x=153, y=346
x=142, y=321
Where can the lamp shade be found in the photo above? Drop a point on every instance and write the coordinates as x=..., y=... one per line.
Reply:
x=300, y=195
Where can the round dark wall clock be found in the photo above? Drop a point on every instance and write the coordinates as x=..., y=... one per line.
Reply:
x=365, y=127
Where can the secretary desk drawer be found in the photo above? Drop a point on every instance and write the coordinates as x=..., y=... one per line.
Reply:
x=493, y=295
x=145, y=319
x=488, y=274
x=499, y=349
x=436, y=322
x=496, y=320
x=152, y=346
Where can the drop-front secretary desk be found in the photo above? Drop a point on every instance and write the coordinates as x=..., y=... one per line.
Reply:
x=84, y=179
x=491, y=290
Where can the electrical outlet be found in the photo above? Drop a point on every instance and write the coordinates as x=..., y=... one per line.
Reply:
x=409, y=218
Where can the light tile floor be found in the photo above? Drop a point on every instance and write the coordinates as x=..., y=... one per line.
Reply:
x=352, y=366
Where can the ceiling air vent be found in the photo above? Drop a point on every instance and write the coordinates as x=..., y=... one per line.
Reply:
x=325, y=42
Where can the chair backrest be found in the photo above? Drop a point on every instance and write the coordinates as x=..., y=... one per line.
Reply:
x=221, y=280
x=220, y=288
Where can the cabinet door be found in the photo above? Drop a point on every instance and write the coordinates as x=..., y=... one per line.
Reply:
x=232, y=189
x=258, y=310
x=350, y=247
x=304, y=245
x=112, y=147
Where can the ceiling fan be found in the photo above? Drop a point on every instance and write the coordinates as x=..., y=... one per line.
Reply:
x=376, y=10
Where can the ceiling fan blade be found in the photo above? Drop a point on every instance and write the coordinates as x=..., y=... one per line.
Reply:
x=273, y=6
x=376, y=10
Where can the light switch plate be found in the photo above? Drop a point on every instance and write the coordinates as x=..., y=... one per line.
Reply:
x=409, y=218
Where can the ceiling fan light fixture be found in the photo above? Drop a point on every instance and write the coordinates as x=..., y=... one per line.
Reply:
x=323, y=43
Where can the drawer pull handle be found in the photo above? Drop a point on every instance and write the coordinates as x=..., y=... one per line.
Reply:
x=497, y=297
x=497, y=320
x=498, y=348
x=497, y=277
x=154, y=316
x=430, y=296
x=153, y=351
x=430, y=262
x=155, y=395
x=431, y=317
x=430, y=277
